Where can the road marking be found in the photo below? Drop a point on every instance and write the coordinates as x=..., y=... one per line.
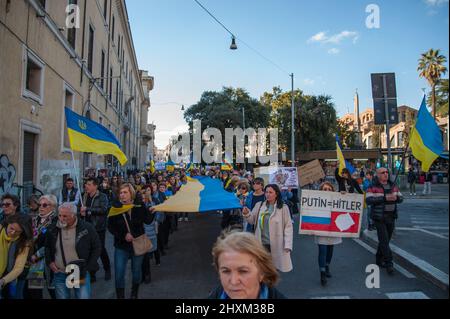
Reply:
x=435, y=227
x=407, y=295
x=424, y=266
x=400, y=269
x=423, y=230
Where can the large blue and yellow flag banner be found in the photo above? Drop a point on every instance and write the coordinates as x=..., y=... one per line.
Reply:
x=90, y=137
x=426, y=138
x=340, y=157
x=200, y=194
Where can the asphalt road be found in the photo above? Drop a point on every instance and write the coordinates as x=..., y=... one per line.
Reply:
x=187, y=272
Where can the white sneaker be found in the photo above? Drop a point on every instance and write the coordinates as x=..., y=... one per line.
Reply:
x=410, y=194
x=180, y=219
x=415, y=194
x=186, y=219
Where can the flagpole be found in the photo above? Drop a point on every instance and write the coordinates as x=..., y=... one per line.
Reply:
x=77, y=176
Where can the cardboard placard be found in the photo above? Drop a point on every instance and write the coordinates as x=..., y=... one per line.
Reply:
x=310, y=173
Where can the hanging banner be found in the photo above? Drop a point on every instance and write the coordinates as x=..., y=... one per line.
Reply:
x=331, y=214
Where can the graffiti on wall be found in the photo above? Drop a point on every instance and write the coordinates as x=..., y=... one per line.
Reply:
x=7, y=174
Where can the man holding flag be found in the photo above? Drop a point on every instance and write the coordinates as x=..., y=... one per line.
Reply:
x=343, y=173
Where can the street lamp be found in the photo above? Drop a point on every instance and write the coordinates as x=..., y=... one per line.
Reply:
x=233, y=44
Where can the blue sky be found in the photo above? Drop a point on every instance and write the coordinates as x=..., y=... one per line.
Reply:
x=325, y=43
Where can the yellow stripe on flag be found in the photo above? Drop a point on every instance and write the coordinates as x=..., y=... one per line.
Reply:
x=186, y=200
x=114, y=211
x=83, y=143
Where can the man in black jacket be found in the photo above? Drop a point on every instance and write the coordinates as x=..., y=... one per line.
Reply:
x=72, y=241
x=95, y=211
x=383, y=197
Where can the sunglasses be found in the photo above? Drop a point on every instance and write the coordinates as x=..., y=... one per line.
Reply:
x=45, y=205
x=385, y=172
x=6, y=204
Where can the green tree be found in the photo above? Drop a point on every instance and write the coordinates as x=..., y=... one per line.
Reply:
x=431, y=67
x=441, y=98
x=346, y=135
x=315, y=119
x=223, y=110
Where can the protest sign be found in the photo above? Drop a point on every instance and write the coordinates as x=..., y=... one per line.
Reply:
x=310, y=173
x=331, y=214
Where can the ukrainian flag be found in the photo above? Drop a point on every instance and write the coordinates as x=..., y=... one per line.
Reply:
x=170, y=166
x=340, y=157
x=426, y=138
x=200, y=194
x=90, y=137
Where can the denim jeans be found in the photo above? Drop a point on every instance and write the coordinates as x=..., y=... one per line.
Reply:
x=63, y=292
x=120, y=266
x=325, y=256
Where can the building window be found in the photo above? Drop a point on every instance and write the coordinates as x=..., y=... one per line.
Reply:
x=110, y=83
x=72, y=32
x=69, y=101
x=102, y=75
x=113, y=27
x=91, y=49
x=117, y=93
x=105, y=9
x=100, y=120
x=33, y=77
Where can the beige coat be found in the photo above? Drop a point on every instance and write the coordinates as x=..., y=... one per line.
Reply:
x=281, y=235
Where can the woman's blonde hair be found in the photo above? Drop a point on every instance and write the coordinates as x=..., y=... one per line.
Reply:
x=51, y=199
x=247, y=243
x=130, y=188
x=326, y=184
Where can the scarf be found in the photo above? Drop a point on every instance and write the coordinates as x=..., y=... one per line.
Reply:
x=263, y=293
x=115, y=211
x=5, y=243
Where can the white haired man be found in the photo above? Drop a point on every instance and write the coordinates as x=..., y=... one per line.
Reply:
x=72, y=242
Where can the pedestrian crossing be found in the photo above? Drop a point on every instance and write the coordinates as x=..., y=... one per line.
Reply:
x=391, y=295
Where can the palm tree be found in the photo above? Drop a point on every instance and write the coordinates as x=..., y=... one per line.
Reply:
x=431, y=67
x=441, y=98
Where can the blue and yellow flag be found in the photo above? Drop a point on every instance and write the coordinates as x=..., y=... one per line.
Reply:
x=170, y=166
x=200, y=194
x=340, y=157
x=426, y=138
x=90, y=137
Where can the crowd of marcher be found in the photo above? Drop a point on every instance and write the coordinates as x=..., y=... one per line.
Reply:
x=55, y=233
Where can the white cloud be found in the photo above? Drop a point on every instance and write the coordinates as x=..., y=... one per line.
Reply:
x=319, y=37
x=334, y=51
x=309, y=82
x=434, y=3
x=162, y=138
x=323, y=38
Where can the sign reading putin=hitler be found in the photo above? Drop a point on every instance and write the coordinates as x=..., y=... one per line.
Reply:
x=331, y=214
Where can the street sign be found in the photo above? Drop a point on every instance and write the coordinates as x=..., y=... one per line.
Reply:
x=378, y=86
x=380, y=111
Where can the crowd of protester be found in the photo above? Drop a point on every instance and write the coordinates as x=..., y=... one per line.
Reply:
x=70, y=229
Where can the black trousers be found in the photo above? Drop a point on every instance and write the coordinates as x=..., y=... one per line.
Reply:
x=104, y=255
x=385, y=229
x=160, y=237
x=167, y=225
x=146, y=269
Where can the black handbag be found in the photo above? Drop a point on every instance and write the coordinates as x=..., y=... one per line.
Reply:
x=80, y=263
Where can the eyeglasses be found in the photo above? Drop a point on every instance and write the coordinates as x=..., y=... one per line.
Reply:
x=6, y=205
x=45, y=205
x=384, y=172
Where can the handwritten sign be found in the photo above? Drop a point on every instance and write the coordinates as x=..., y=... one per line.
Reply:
x=331, y=214
x=310, y=173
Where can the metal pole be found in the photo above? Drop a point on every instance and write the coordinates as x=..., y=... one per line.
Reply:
x=292, y=123
x=76, y=176
x=243, y=124
x=388, y=124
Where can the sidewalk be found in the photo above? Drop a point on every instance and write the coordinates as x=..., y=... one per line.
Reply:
x=438, y=191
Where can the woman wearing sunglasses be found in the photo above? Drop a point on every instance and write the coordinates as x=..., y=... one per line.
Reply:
x=10, y=205
x=40, y=274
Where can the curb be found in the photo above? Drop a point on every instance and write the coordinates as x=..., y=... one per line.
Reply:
x=412, y=263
